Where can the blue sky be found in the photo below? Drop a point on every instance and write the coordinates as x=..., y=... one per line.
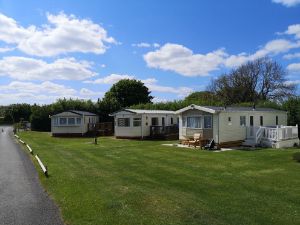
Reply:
x=53, y=49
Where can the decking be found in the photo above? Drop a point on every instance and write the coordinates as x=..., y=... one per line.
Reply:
x=276, y=137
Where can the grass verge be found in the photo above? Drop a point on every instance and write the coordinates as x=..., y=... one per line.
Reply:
x=142, y=182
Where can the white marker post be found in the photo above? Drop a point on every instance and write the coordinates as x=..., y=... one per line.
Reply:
x=44, y=168
x=30, y=150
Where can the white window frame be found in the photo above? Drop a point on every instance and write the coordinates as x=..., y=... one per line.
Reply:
x=63, y=124
x=55, y=121
x=124, y=118
x=137, y=122
x=243, y=122
x=185, y=121
x=71, y=118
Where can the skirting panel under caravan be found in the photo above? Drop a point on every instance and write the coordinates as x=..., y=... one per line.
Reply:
x=68, y=135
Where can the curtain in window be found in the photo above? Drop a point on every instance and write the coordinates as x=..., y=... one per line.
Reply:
x=194, y=122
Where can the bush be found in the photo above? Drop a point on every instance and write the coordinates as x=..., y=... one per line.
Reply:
x=296, y=156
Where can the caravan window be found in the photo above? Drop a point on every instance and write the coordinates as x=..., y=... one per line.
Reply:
x=243, y=120
x=78, y=120
x=261, y=120
x=123, y=122
x=154, y=121
x=71, y=121
x=137, y=122
x=194, y=122
x=54, y=119
x=63, y=121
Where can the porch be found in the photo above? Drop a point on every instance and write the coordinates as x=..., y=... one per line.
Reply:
x=276, y=137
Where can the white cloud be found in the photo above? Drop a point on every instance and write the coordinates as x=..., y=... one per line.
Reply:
x=13, y=98
x=88, y=92
x=42, y=93
x=293, y=30
x=292, y=56
x=292, y=82
x=287, y=3
x=28, y=92
x=177, y=58
x=22, y=68
x=63, y=34
x=158, y=100
x=6, y=49
x=146, y=45
x=45, y=87
x=294, y=68
x=111, y=79
x=11, y=32
x=273, y=47
x=276, y=46
x=142, y=45
x=25, y=97
x=151, y=83
x=180, y=59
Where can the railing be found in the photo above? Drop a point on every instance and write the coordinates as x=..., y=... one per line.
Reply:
x=251, y=132
x=163, y=130
x=259, y=134
x=278, y=133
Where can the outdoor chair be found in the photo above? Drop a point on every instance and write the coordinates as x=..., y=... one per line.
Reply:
x=184, y=142
x=196, y=140
x=210, y=145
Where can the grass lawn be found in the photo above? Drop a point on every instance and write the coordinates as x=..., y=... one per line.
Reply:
x=142, y=182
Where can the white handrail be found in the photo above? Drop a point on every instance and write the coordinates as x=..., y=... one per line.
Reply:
x=259, y=134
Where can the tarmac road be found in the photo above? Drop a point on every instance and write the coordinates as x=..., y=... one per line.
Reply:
x=23, y=201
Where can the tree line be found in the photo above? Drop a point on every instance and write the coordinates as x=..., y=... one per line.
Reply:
x=261, y=82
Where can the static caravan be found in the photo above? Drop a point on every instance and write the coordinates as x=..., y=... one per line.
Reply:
x=140, y=124
x=72, y=123
x=235, y=125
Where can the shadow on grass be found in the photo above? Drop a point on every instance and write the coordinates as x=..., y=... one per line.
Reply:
x=296, y=157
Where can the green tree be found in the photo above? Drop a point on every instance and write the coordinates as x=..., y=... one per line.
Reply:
x=128, y=92
x=40, y=120
x=203, y=98
x=105, y=107
x=292, y=106
x=72, y=104
x=16, y=112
